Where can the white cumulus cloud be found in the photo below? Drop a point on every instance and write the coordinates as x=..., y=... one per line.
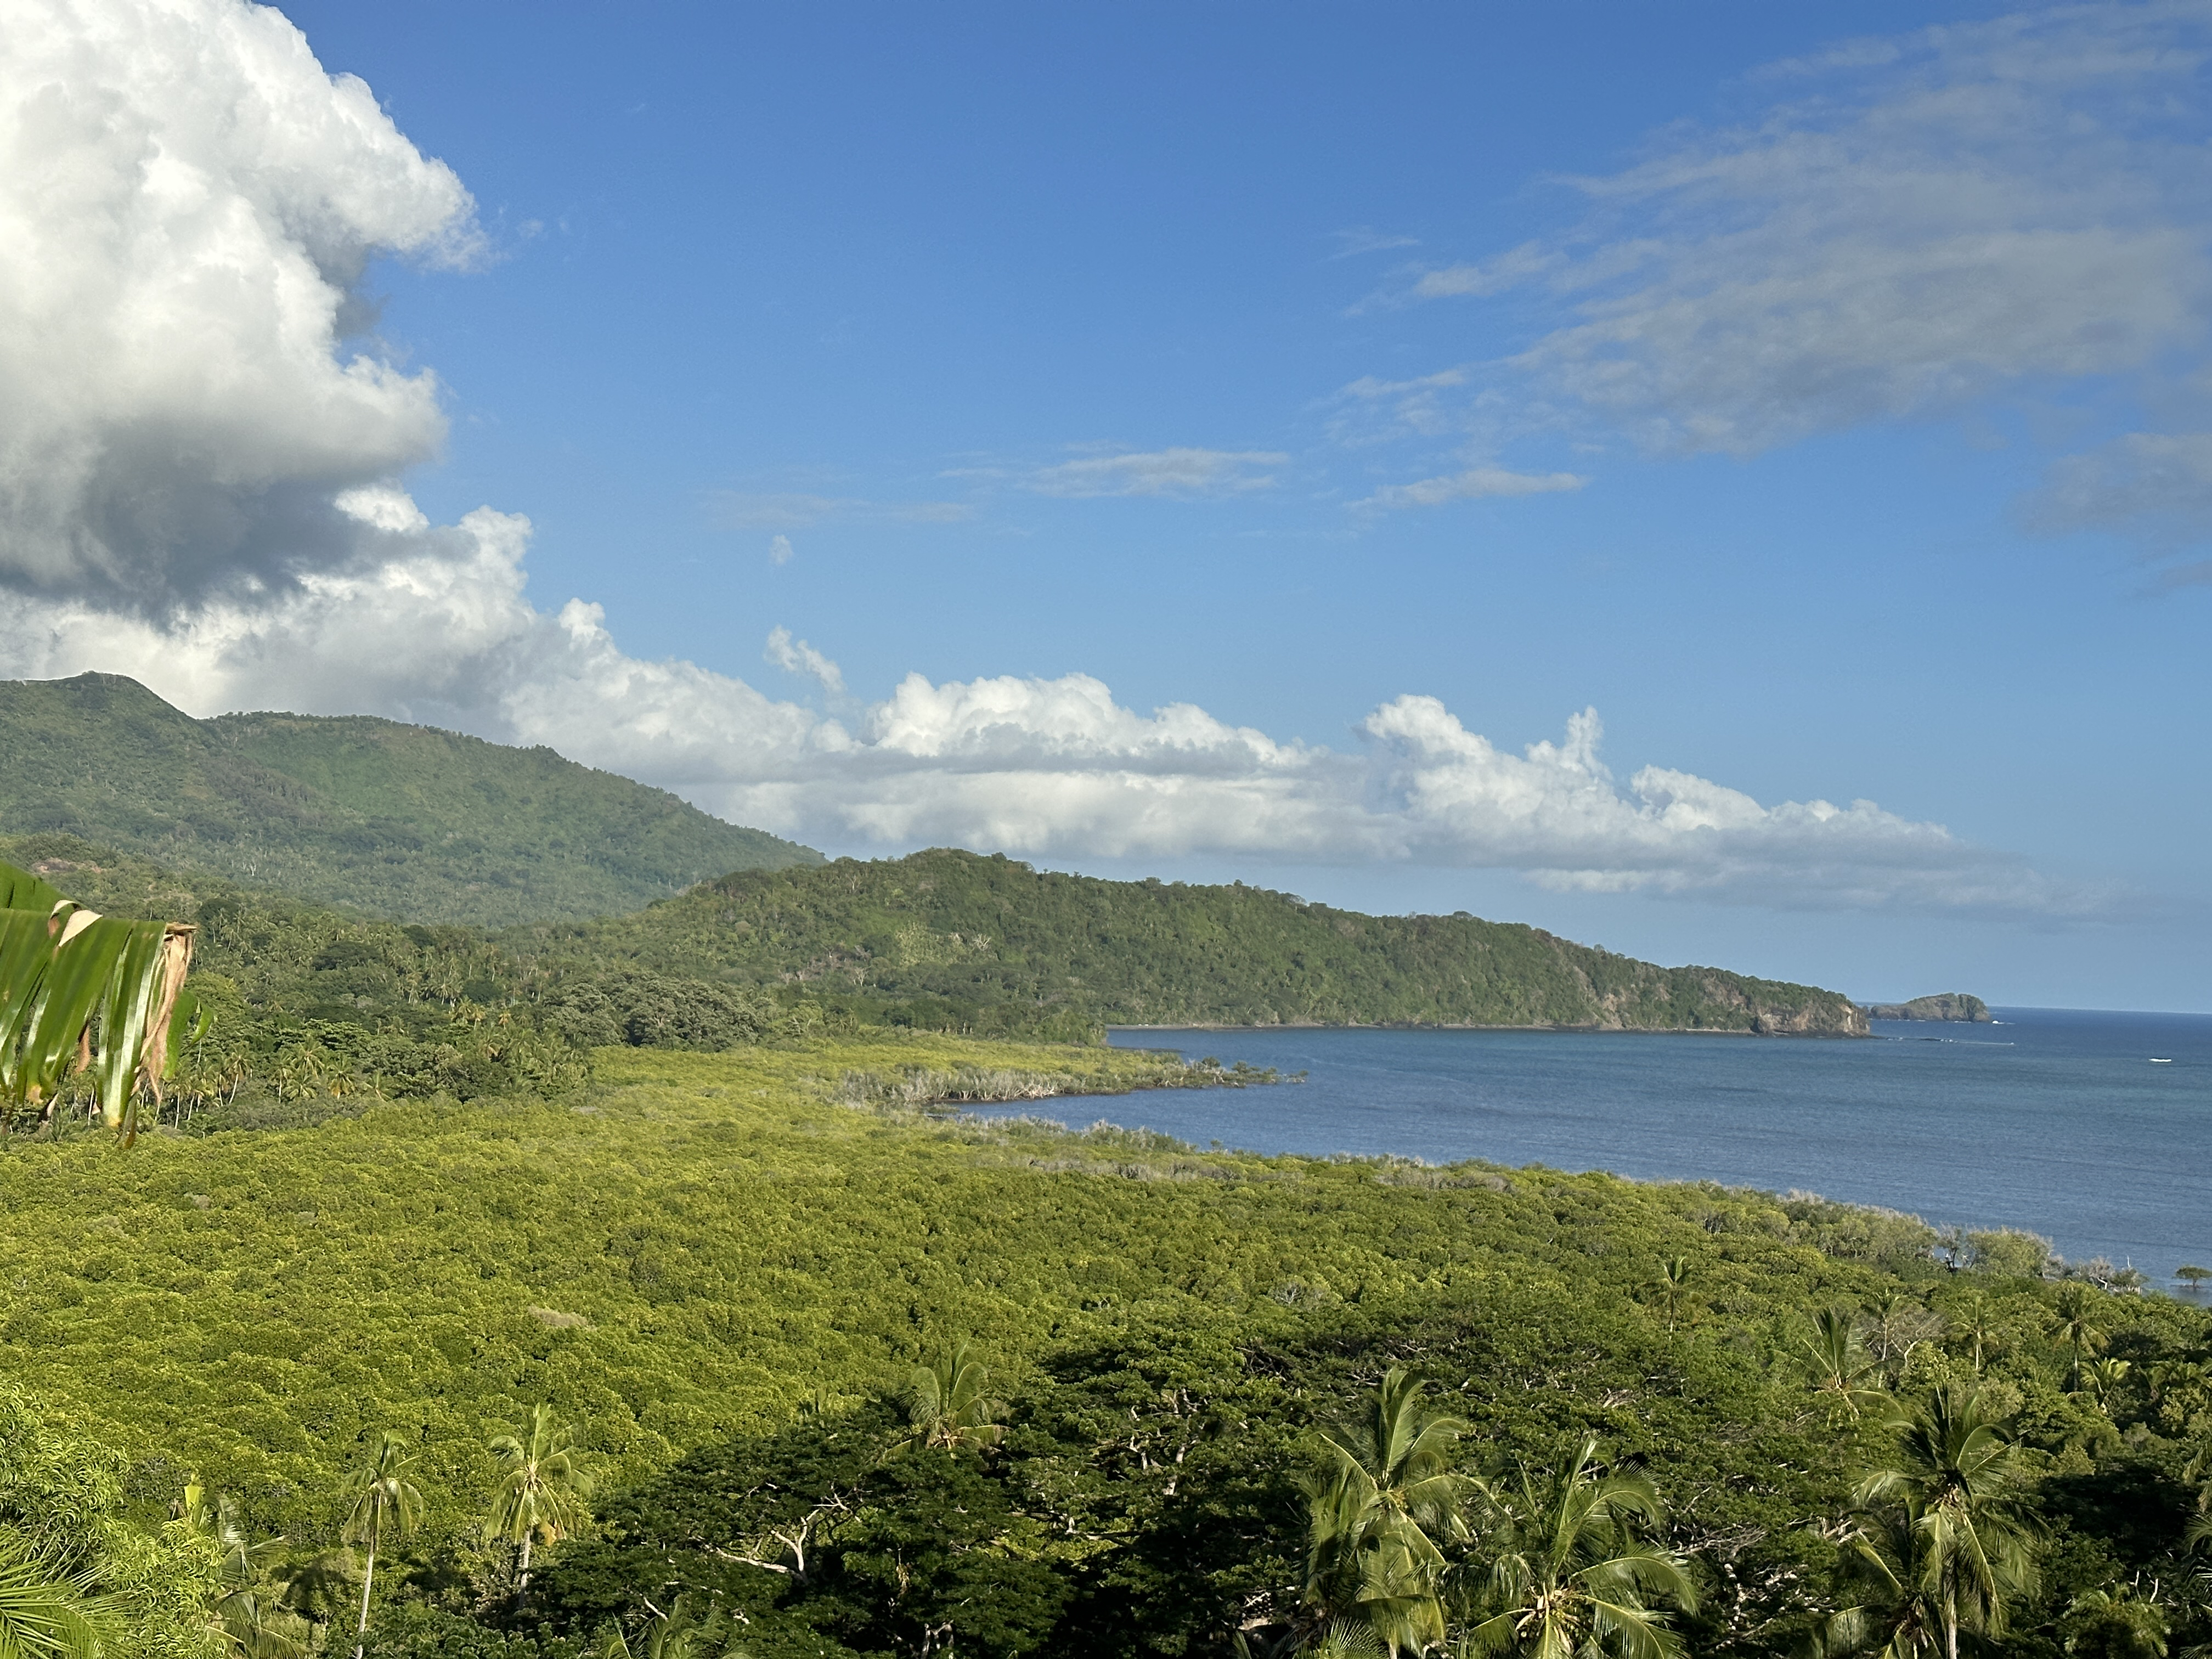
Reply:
x=797, y=657
x=441, y=631
x=186, y=202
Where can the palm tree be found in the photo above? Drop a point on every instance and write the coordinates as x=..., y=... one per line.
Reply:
x=2117, y=1622
x=1380, y=1498
x=43, y=1616
x=1571, y=1573
x=677, y=1632
x=1835, y=1357
x=2077, y=1331
x=383, y=1500
x=946, y=1405
x=1973, y=1322
x=254, y=1626
x=2196, y=1594
x=542, y=1489
x=1671, y=1288
x=1941, y=1537
x=2102, y=1377
x=1892, y=1616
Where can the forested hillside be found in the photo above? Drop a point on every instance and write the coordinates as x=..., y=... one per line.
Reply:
x=399, y=821
x=957, y=940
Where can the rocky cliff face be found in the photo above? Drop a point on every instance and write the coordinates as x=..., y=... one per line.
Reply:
x=1823, y=1014
x=1951, y=1005
x=1703, y=999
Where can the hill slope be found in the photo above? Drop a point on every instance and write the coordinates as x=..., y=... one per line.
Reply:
x=402, y=820
x=963, y=941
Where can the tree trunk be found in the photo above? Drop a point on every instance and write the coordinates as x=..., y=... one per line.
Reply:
x=368, y=1578
x=522, y=1589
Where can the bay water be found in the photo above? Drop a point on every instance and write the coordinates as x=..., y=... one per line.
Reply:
x=2092, y=1129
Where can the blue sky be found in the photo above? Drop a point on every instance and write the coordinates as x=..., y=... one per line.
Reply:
x=1815, y=393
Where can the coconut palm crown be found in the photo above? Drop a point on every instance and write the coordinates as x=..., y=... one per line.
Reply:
x=948, y=1405
x=1571, y=1574
x=1940, y=1543
x=1381, y=1500
x=543, y=1485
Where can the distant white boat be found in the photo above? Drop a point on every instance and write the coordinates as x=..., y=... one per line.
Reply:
x=2155, y=1060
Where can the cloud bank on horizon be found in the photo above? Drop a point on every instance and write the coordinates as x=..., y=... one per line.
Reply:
x=200, y=466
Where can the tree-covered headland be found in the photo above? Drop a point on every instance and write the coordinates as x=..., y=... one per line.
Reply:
x=960, y=941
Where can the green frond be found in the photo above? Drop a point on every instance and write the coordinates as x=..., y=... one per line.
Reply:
x=43, y=1616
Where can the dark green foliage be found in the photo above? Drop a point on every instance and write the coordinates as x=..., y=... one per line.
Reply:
x=65, y=1516
x=400, y=821
x=646, y=1009
x=956, y=941
x=412, y=1630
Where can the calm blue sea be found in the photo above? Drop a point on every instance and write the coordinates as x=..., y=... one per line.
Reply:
x=2054, y=1119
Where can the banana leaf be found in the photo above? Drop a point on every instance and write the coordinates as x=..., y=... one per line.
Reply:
x=22, y=890
x=65, y=972
x=27, y=948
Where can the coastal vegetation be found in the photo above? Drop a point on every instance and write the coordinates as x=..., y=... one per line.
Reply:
x=595, y=879
x=404, y=821
x=843, y=1374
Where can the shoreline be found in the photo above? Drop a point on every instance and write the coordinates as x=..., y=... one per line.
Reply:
x=1585, y=1030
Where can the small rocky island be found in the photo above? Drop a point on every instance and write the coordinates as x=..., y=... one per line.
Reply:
x=1951, y=1005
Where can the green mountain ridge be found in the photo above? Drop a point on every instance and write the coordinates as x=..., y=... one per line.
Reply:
x=402, y=820
x=962, y=941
